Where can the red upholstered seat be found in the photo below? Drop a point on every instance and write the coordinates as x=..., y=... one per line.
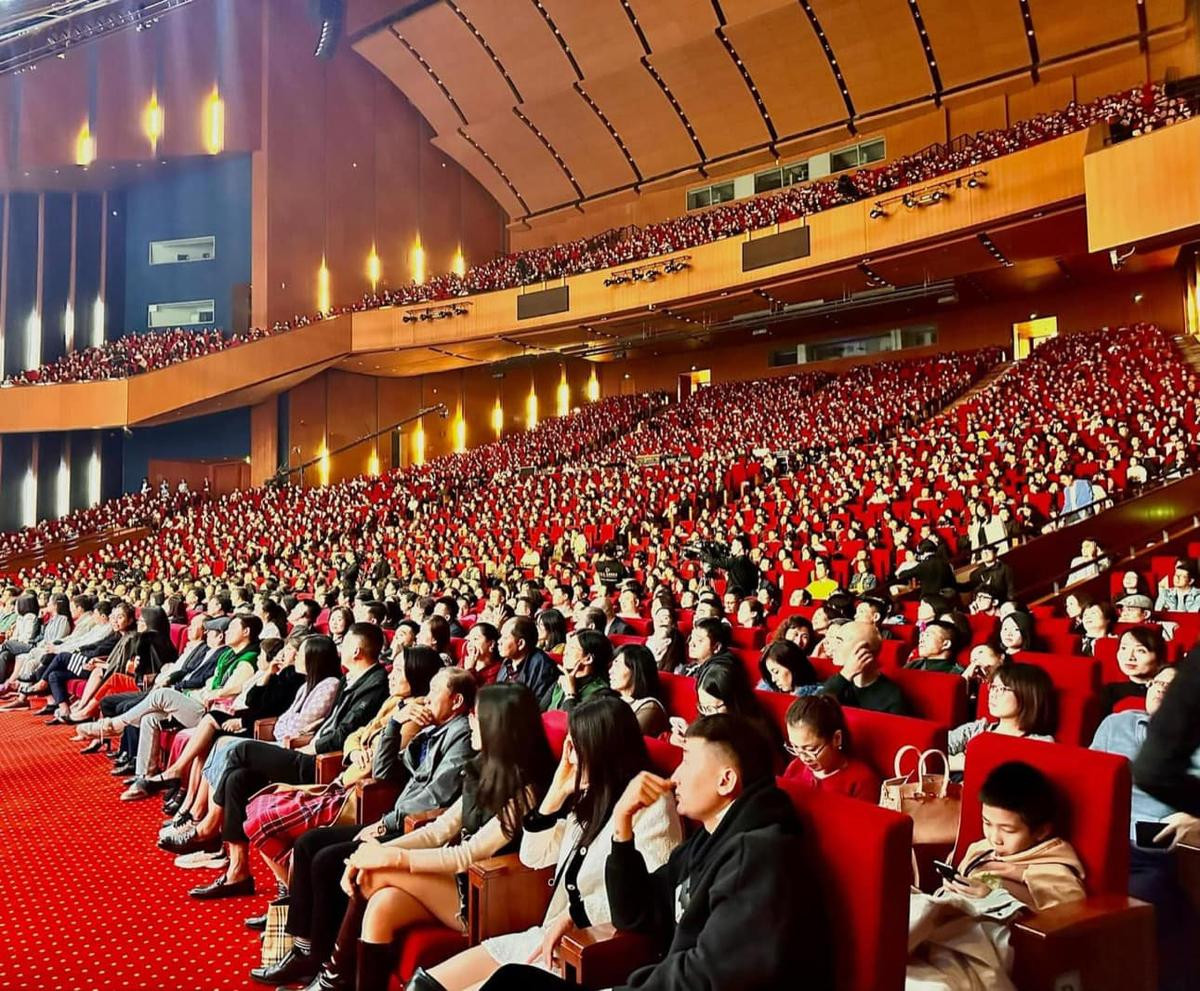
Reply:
x=940, y=698
x=874, y=736
x=753, y=638
x=179, y=635
x=620, y=639
x=678, y=695
x=425, y=946
x=863, y=885
x=893, y=653
x=1077, y=713
x=1095, y=790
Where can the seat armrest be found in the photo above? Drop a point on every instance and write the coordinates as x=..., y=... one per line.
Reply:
x=329, y=766
x=264, y=729
x=604, y=956
x=415, y=820
x=1102, y=941
x=375, y=799
x=505, y=896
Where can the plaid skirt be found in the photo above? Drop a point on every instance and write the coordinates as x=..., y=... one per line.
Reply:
x=277, y=817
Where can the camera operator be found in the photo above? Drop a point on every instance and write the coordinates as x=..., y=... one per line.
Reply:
x=741, y=573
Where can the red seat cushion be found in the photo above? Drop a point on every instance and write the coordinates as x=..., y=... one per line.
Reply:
x=425, y=946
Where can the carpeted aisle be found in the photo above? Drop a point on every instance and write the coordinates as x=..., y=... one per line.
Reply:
x=87, y=901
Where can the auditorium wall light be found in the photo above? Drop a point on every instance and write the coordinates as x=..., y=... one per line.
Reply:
x=29, y=498
x=497, y=418
x=459, y=263
x=323, y=288
x=69, y=328
x=62, y=487
x=323, y=463
x=98, y=322
x=93, y=475
x=214, y=122
x=33, y=339
x=374, y=268
x=373, y=463
x=85, y=146
x=418, y=262
x=929, y=194
x=460, y=431
x=593, y=387
x=418, y=444
x=563, y=397
x=152, y=122
x=531, y=409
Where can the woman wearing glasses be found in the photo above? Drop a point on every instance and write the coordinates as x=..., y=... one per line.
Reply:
x=724, y=689
x=1020, y=701
x=820, y=742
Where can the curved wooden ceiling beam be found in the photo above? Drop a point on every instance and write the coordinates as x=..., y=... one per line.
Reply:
x=728, y=45
x=836, y=69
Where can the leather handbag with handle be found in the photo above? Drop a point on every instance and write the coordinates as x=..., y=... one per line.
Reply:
x=930, y=800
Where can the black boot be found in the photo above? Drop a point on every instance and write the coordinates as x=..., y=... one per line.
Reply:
x=376, y=961
x=337, y=973
x=295, y=968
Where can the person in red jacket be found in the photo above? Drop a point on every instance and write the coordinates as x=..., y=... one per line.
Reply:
x=819, y=740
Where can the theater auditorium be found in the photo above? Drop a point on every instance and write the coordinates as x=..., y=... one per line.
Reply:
x=397, y=395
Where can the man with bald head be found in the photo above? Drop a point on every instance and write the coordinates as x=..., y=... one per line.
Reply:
x=859, y=682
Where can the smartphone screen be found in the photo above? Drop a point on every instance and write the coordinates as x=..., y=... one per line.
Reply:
x=947, y=871
x=1145, y=833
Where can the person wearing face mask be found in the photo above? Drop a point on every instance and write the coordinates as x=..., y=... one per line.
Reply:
x=586, y=658
x=819, y=741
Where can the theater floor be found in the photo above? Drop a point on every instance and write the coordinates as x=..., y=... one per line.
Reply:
x=87, y=902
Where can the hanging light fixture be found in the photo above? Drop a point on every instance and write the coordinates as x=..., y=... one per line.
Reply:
x=85, y=145
x=563, y=396
x=498, y=418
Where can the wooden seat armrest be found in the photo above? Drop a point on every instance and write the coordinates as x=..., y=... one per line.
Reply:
x=299, y=742
x=329, y=766
x=375, y=799
x=505, y=896
x=264, y=729
x=604, y=956
x=415, y=820
x=1102, y=941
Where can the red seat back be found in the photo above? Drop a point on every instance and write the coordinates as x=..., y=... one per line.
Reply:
x=893, y=653
x=1094, y=790
x=621, y=639
x=863, y=885
x=1081, y=674
x=678, y=694
x=179, y=636
x=754, y=638
x=940, y=698
x=1077, y=712
x=748, y=658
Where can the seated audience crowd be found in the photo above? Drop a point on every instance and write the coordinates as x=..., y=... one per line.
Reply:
x=549, y=646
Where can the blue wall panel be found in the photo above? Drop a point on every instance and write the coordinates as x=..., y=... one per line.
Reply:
x=56, y=274
x=22, y=263
x=210, y=198
x=87, y=265
x=219, y=435
x=115, y=221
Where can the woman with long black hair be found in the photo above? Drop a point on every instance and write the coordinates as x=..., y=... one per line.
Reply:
x=572, y=831
x=421, y=877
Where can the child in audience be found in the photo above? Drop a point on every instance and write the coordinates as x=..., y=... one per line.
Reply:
x=819, y=740
x=1020, y=852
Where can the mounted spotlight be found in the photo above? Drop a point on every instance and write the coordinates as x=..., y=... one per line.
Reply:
x=909, y=201
x=331, y=14
x=973, y=182
x=877, y=211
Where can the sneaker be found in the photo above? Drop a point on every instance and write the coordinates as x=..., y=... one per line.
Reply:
x=202, y=859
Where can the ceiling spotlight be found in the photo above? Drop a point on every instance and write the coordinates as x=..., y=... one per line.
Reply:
x=909, y=201
x=878, y=211
x=973, y=182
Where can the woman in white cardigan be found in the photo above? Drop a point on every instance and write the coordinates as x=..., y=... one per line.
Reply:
x=572, y=832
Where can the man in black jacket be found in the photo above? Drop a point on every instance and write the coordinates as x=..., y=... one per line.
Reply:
x=741, y=573
x=736, y=903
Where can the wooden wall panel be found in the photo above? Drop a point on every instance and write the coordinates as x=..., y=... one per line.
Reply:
x=351, y=410
x=1131, y=194
x=598, y=33
x=307, y=412
x=525, y=46
x=264, y=440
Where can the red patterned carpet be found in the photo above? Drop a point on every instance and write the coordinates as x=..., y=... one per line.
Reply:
x=87, y=901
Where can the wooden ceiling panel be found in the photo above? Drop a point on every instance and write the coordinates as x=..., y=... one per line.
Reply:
x=975, y=39
x=671, y=25
x=461, y=150
x=1164, y=13
x=523, y=42
x=1047, y=237
x=581, y=138
x=787, y=65
x=645, y=120
x=460, y=61
x=598, y=33
x=387, y=53
x=532, y=169
x=714, y=97
x=1064, y=27
x=828, y=286
x=878, y=50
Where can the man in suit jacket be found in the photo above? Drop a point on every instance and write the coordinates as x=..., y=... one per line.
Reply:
x=521, y=661
x=745, y=870
x=430, y=769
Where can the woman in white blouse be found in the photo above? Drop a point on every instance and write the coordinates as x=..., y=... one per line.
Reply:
x=421, y=877
x=572, y=832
